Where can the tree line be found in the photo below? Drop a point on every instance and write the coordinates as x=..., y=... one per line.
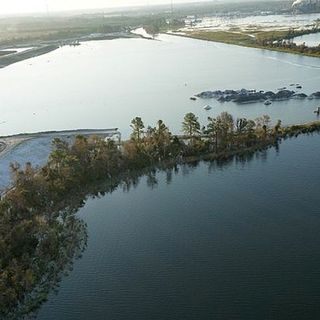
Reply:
x=285, y=41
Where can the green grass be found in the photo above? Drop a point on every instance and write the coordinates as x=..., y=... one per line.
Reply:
x=223, y=36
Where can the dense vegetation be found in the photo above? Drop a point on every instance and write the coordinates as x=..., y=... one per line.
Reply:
x=40, y=234
x=284, y=40
x=37, y=247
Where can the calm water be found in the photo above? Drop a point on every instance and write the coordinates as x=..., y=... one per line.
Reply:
x=238, y=242
x=310, y=40
x=235, y=242
x=107, y=83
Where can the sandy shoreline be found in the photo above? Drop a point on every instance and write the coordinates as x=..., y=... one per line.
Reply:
x=8, y=143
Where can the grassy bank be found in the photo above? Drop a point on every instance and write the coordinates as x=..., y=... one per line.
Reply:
x=259, y=39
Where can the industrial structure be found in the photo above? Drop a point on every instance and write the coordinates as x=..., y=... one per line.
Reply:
x=306, y=6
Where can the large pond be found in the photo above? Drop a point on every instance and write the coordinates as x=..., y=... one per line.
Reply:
x=105, y=84
x=239, y=241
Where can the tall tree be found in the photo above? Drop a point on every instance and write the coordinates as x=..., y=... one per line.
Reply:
x=226, y=126
x=162, y=137
x=137, y=126
x=277, y=127
x=227, y=123
x=241, y=125
x=263, y=123
x=191, y=125
x=214, y=129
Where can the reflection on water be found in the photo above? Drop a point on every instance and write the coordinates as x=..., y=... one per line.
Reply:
x=150, y=175
x=113, y=84
x=64, y=236
x=71, y=230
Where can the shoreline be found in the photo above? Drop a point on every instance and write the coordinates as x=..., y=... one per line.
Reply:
x=5, y=61
x=245, y=45
x=8, y=143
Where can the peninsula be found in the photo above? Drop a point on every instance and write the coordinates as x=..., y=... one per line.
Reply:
x=36, y=211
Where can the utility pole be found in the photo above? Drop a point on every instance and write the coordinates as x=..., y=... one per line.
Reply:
x=47, y=8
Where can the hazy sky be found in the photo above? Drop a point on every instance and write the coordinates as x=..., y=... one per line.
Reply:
x=24, y=6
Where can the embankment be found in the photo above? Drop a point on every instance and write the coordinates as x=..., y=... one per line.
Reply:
x=34, y=52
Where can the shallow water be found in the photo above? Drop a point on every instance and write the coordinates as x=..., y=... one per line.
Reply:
x=239, y=241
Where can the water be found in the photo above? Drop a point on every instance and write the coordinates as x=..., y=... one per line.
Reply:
x=261, y=22
x=310, y=40
x=233, y=242
x=107, y=83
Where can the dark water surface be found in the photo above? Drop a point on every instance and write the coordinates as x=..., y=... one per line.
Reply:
x=234, y=242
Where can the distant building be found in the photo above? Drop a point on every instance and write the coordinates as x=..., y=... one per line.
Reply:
x=306, y=6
